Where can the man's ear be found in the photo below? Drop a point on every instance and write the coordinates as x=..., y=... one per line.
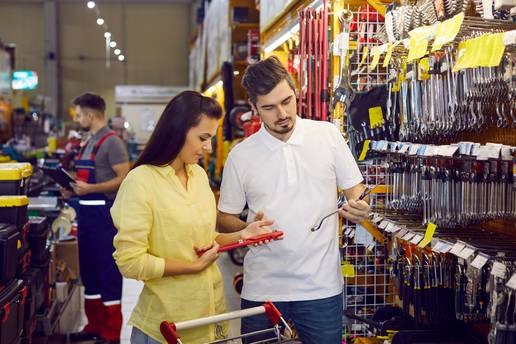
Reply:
x=253, y=106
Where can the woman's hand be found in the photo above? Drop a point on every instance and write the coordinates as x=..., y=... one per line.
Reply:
x=207, y=257
x=256, y=228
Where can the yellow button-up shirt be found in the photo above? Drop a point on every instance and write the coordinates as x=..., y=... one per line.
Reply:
x=157, y=218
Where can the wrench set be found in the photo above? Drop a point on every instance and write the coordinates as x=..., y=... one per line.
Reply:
x=453, y=193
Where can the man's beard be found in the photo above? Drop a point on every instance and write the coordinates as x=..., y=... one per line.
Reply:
x=282, y=130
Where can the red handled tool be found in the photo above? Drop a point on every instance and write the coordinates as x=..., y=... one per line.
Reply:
x=251, y=241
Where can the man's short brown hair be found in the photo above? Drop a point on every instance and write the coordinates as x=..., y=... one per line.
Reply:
x=260, y=78
x=92, y=101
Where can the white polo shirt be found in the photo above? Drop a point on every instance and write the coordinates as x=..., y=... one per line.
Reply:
x=295, y=184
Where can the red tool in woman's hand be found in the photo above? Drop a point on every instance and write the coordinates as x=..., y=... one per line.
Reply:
x=276, y=235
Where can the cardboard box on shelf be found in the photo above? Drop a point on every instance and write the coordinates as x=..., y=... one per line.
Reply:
x=67, y=260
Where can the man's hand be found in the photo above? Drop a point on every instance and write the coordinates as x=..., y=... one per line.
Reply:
x=81, y=188
x=257, y=228
x=65, y=193
x=355, y=211
x=259, y=216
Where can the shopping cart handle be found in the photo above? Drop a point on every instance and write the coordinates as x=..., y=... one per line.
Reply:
x=251, y=241
x=169, y=332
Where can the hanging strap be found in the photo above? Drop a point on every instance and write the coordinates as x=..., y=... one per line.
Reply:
x=97, y=145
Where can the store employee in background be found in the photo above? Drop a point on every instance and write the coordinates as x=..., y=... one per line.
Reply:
x=101, y=166
x=290, y=171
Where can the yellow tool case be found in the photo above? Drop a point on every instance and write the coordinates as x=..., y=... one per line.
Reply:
x=10, y=245
x=14, y=178
x=13, y=210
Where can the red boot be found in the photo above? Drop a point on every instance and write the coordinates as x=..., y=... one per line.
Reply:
x=112, y=325
x=94, y=312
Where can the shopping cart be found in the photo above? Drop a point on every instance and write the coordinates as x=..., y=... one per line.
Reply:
x=169, y=330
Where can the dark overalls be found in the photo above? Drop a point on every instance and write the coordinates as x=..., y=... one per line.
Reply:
x=99, y=274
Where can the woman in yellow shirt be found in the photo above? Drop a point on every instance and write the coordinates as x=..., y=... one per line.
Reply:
x=165, y=211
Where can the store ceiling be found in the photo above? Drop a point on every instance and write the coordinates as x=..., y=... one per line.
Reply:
x=105, y=1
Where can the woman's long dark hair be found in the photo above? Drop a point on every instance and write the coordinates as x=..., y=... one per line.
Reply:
x=181, y=114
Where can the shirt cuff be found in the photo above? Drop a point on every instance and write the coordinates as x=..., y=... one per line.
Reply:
x=353, y=182
x=156, y=267
x=229, y=210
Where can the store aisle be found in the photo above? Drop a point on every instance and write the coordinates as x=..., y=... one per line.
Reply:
x=132, y=289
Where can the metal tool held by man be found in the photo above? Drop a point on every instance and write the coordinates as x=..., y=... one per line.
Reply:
x=340, y=203
x=276, y=235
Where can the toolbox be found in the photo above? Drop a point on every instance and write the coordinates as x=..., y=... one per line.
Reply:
x=34, y=281
x=38, y=235
x=13, y=210
x=24, y=259
x=41, y=273
x=10, y=244
x=12, y=312
x=14, y=178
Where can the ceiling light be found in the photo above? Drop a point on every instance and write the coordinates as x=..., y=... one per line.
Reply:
x=100, y=21
x=91, y=4
x=117, y=51
x=236, y=72
x=112, y=44
x=107, y=35
x=121, y=58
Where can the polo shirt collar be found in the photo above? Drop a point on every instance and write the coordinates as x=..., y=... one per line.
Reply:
x=273, y=143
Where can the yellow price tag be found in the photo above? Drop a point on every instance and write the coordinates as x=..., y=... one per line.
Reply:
x=348, y=269
x=375, y=117
x=424, y=68
x=417, y=48
x=447, y=31
x=18, y=244
x=365, y=149
x=429, y=234
x=365, y=52
x=376, y=58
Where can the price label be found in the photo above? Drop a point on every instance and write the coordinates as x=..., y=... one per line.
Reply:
x=404, y=148
x=506, y=153
x=352, y=234
x=401, y=233
x=416, y=239
x=498, y=269
x=482, y=153
x=457, y=248
x=371, y=246
x=383, y=224
x=348, y=230
x=493, y=150
x=442, y=247
x=479, y=261
x=408, y=236
x=447, y=150
x=512, y=282
x=377, y=218
x=466, y=253
x=392, y=228
x=414, y=148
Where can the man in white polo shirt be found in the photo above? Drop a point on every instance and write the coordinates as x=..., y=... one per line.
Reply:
x=290, y=171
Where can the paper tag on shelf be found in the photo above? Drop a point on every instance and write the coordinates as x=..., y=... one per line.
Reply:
x=383, y=224
x=416, y=239
x=498, y=269
x=352, y=234
x=447, y=150
x=512, y=282
x=479, y=261
x=401, y=233
x=430, y=150
x=392, y=228
x=506, y=153
x=457, y=248
x=482, y=153
x=371, y=246
x=413, y=148
x=404, y=148
x=494, y=150
x=466, y=253
x=348, y=230
x=376, y=218
x=408, y=236
x=441, y=247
